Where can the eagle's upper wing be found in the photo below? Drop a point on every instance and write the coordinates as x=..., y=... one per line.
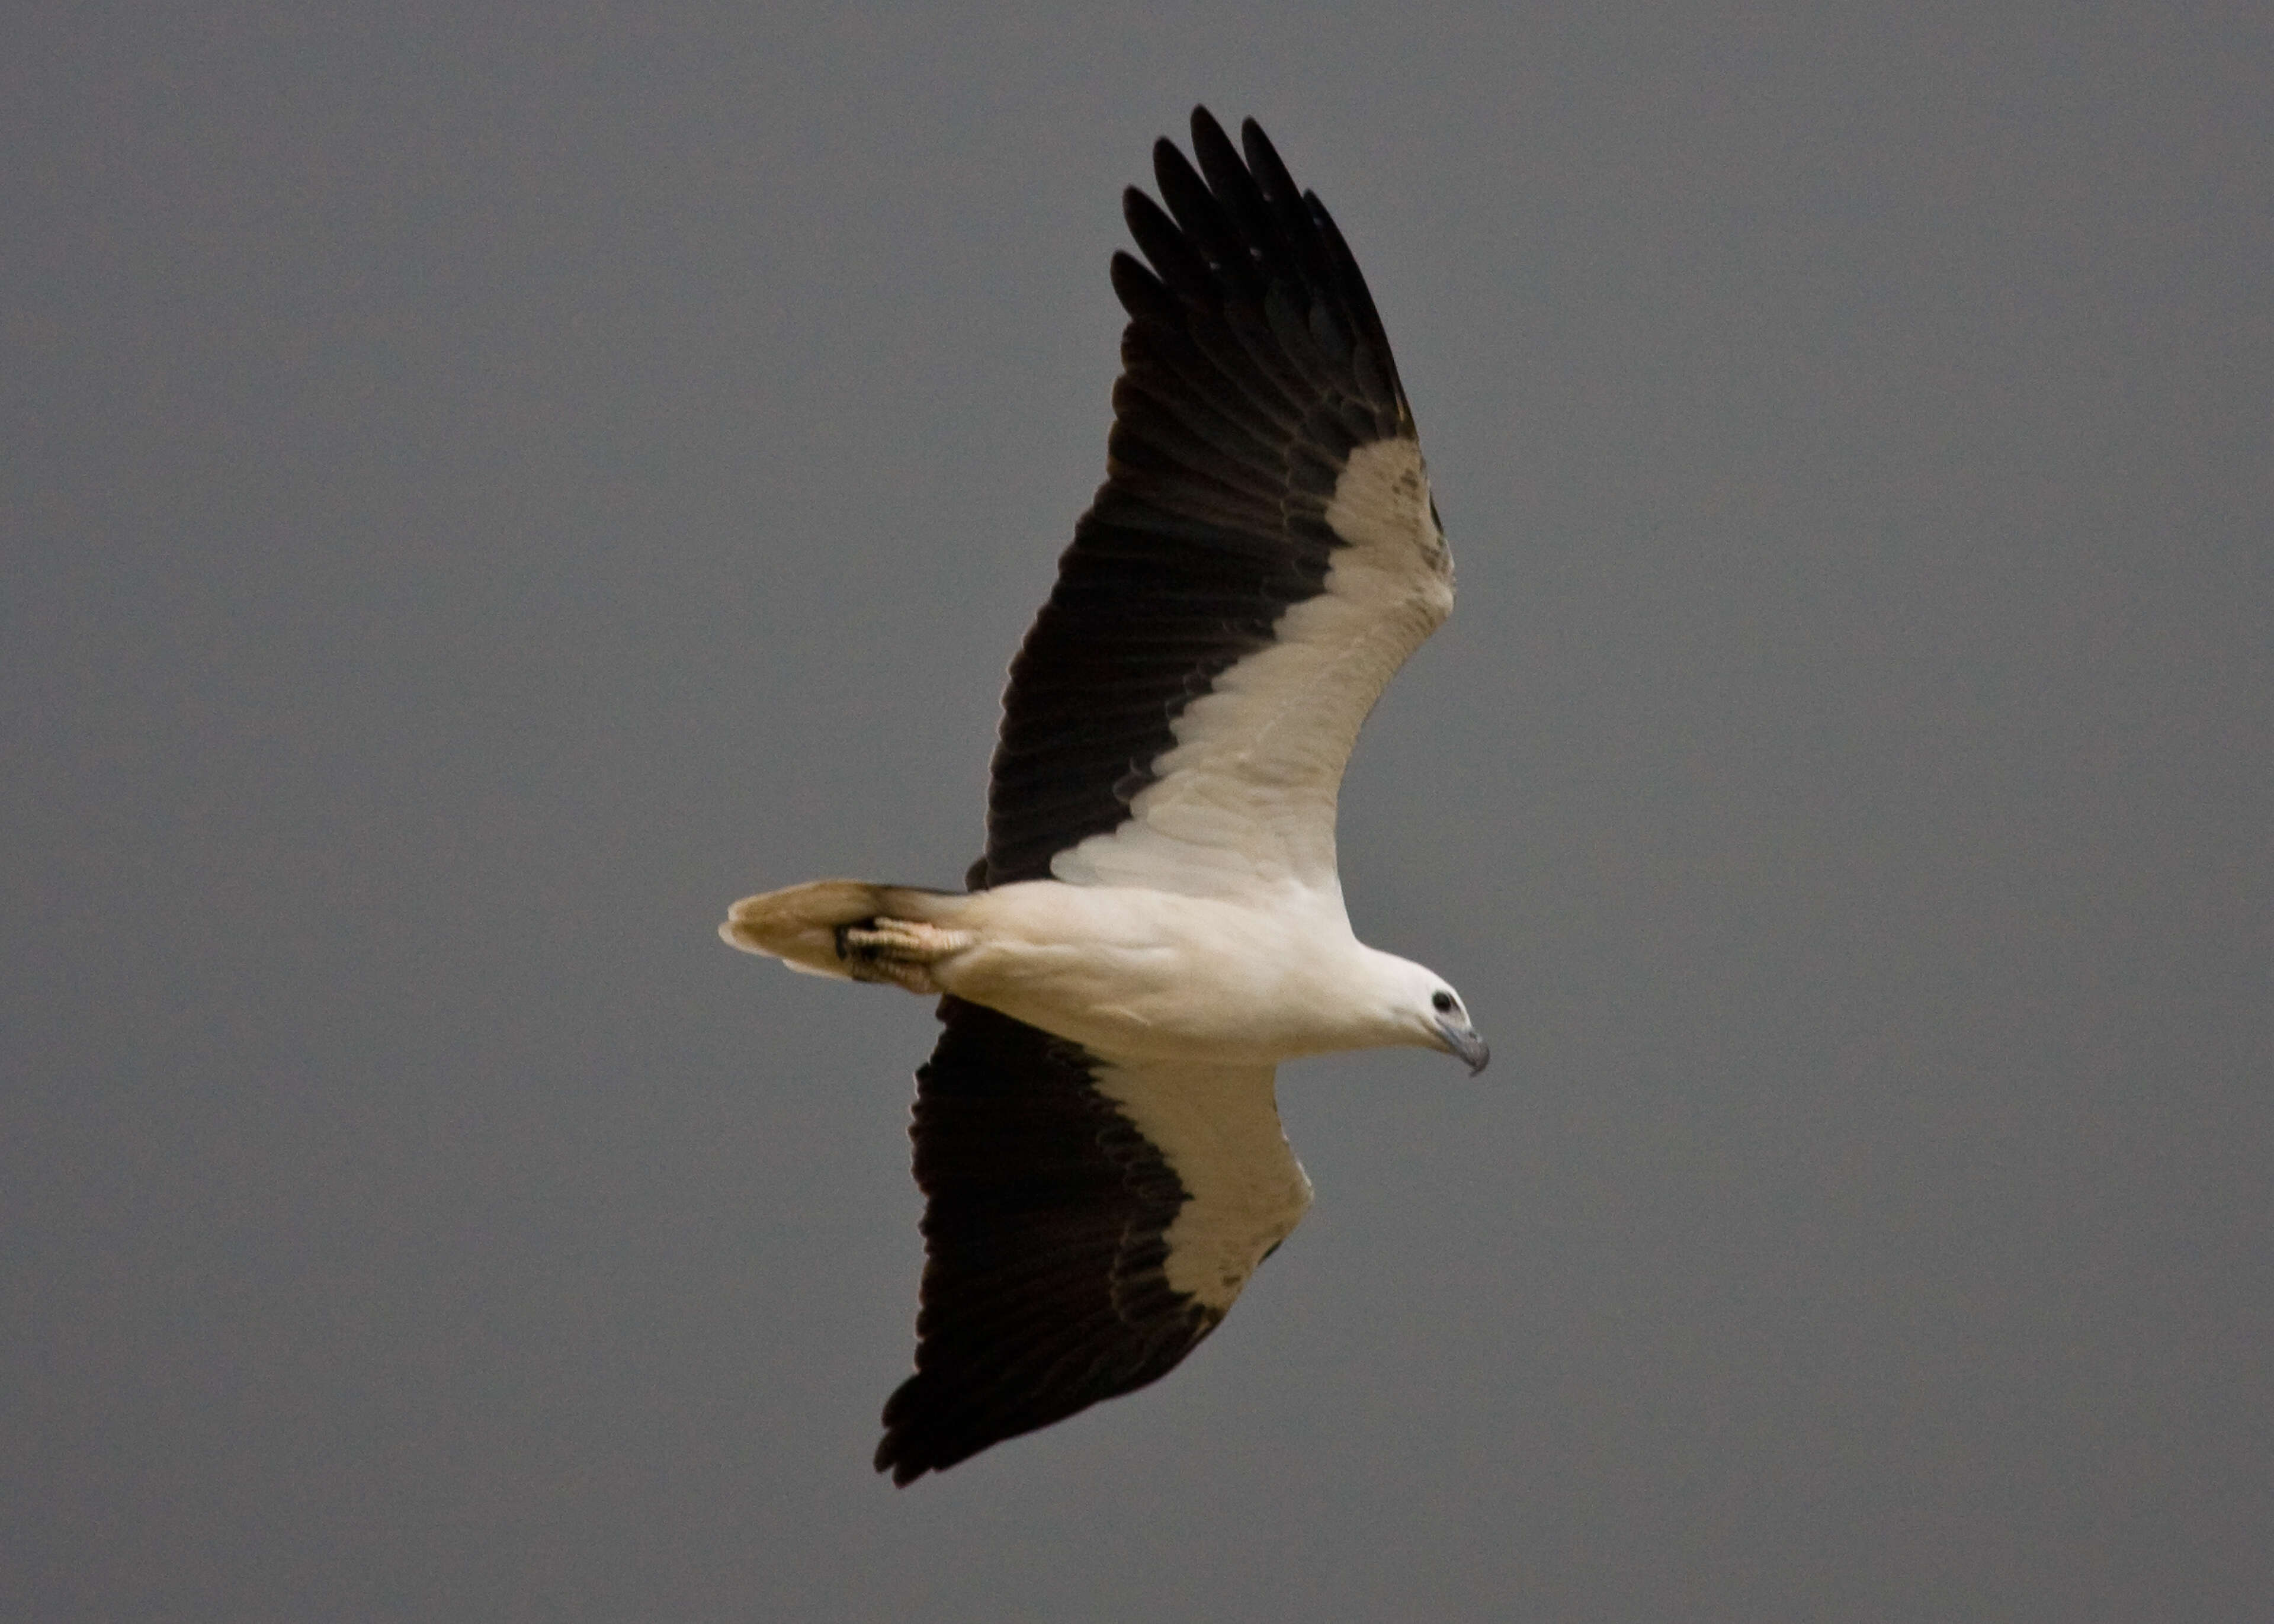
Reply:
x=1262, y=557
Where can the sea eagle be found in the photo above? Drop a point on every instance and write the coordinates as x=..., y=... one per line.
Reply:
x=1157, y=922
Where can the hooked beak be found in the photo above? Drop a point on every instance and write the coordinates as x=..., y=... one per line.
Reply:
x=1463, y=1040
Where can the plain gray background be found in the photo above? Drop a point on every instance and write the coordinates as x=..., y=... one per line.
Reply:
x=483, y=490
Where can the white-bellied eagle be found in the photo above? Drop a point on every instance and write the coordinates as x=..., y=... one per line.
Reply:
x=1157, y=922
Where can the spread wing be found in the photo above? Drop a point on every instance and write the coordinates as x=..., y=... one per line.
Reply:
x=1262, y=557
x=1087, y=1224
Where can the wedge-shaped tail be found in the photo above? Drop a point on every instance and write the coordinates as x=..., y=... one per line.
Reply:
x=849, y=928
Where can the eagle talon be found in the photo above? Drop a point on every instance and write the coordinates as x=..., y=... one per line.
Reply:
x=898, y=951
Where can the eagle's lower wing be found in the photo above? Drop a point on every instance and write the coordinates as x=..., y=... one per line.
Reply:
x=1087, y=1223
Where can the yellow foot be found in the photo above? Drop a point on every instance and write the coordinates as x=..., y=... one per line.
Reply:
x=900, y=951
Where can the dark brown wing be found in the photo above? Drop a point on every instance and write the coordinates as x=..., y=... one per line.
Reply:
x=1044, y=1238
x=1254, y=364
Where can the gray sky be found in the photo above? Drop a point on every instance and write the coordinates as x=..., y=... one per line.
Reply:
x=480, y=494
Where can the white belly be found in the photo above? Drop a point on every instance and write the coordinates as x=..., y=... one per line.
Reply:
x=1141, y=973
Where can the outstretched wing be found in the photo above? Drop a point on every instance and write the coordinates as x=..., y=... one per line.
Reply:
x=1262, y=557
x=1088, y=1224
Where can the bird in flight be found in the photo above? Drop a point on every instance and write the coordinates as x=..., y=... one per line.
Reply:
x=1157, y=922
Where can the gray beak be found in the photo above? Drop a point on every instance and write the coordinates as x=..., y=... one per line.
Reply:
x=1463, y=1042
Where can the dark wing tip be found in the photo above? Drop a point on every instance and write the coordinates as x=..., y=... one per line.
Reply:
x=1263, y=161
x=894, y=1455
x=907, y=1451
x=939, y=1418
